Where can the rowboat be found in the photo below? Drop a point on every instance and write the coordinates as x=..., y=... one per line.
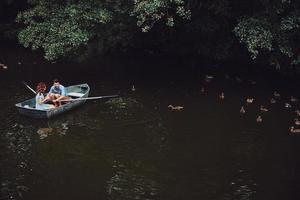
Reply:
x=79, y=92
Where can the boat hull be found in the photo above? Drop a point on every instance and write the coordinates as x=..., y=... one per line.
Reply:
x=26, y=108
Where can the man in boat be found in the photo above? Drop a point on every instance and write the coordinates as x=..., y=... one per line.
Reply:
x=57, y=93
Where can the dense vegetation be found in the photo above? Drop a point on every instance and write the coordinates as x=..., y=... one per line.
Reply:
x=216, y=29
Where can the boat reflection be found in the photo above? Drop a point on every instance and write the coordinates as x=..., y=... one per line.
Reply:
x=47, y=131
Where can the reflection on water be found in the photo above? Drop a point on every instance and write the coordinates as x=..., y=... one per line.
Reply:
x=126, y=183
x=243, y=187
x=16, y=154
x=47, y=131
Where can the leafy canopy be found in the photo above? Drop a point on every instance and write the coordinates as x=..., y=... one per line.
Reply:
x=63, y=28
x=211, y=28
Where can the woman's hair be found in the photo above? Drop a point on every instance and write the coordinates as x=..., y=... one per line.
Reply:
x=41, y=87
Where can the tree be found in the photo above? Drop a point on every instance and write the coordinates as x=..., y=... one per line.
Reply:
x=269, y=29
x=273, y=30
x=62, y=29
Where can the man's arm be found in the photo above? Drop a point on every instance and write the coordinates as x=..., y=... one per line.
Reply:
x=63, y=91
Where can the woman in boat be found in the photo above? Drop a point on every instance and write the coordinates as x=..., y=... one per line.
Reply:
x=40, y=97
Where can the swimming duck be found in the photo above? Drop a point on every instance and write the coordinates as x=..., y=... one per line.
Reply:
x=242, y=110
x=259, y=119
x=297, y=112
x=287, y=105
x=2, y=66
x=272, y=101
x=222, y=96
x=133, y=88
x=263, y=109
x=276, y=94
x=297, y=122
x=202, y=90
x=176, y=108
x=208, y=78
x=249, y=100
x=293, y=130
x=293, y=99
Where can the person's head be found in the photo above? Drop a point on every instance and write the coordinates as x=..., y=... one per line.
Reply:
x=56, y=83
x=41, y=87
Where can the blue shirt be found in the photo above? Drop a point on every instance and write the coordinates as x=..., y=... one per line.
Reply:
x=61, y=90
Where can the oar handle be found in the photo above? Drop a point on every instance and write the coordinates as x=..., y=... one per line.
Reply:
x=32, y=90
x=90, y=98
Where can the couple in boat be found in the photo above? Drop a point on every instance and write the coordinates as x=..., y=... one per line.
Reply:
x=56, y=94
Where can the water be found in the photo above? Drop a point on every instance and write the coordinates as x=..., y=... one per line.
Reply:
x=135, y=148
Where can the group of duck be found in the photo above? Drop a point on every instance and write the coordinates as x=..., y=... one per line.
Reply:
x=249, y=100
x=273, y=100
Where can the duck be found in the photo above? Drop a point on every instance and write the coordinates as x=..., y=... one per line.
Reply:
x=287, y=105
x=222, y=96
x=259, y=119
x=297, y=122
x=263, y=109
x=276, y=94
x=297, y=112
x=2, y=66
x=133, y=88
x=293, y=130
x=272, y=100
x=208, y=78
x=242, y=110
x=176, y=108
x=202, y=90
x=249, y=100
x=293, y=99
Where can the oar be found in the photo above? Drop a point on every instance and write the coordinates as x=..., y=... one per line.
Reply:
x=32, y=90
x=90, y=98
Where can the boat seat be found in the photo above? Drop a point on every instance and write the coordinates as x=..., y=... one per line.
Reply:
x=75, y=94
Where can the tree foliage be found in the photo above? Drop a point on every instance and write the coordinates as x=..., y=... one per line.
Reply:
x=210, y=28
x=274, y=29
x=63, y=28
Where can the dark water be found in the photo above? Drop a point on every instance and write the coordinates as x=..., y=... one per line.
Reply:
x=134, y=148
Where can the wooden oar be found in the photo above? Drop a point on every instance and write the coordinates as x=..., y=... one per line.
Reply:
x=32, y=90
x=90, y=98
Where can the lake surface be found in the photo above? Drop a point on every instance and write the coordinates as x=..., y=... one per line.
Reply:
x=135, y=148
